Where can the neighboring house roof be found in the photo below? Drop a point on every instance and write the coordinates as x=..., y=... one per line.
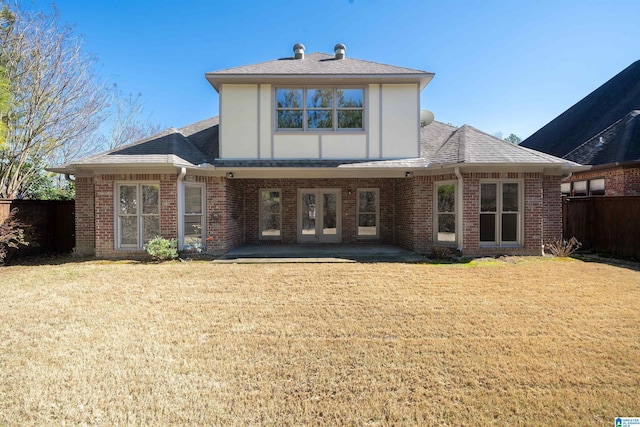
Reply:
x=620, y=142
x=317, y=65
x=593, y=115
x=197, y=145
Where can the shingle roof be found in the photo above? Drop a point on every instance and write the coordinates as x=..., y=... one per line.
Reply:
x=198, y=144
x=620, y=142
x=317, y=63
x=598, y=111
x=167, y=147
x=468, y=145
x=317, y=66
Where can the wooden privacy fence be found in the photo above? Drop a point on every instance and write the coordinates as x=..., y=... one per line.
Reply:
x=53, y=222
x=604, y=224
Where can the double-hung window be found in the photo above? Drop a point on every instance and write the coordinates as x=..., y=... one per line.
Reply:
x=270, y=214
x=193, y=217
x=368, y=212
x=500, y=213
x=138, y=214
x=312, y=109
x=445, y=213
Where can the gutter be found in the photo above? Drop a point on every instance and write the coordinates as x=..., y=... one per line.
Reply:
x=459, y=204
x=180, y=194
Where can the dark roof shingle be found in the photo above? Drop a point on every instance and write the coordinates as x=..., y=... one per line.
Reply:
x=598, y=111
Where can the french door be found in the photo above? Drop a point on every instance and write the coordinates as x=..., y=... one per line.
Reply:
x=319, y=218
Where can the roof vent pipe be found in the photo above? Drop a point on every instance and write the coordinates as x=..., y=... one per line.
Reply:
x=298, y=50
x=339, y=50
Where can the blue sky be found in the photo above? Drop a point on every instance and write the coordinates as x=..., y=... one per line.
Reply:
x=501, y=66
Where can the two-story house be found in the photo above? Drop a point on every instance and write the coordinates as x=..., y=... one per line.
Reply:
x=325, y=149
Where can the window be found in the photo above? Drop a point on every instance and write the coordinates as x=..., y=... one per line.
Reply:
x=368, y=208
x=193, y=217
x=446, y=213
x=500, y=213
x=596, y=187
x=579, y=188
x=320, y=109
x=138, y=218
x=270, y=214
x=565, y=188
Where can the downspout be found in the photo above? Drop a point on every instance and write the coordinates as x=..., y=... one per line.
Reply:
x=67, y=176
x=180, y=194
x=460, y=209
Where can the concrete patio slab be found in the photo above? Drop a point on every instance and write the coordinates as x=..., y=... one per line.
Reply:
x=318, y=253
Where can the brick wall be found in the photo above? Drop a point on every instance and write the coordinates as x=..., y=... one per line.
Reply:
x=470, y=211
x=406, y=210
x=532, y=212
x=289, y=188
x=618, y=180
x=85, y=216
x=105, y=186
x=552, y=209
x=632, y=182
x=404, y=215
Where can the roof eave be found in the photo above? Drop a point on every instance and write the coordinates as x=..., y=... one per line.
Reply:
x=74, y=168
x=216, y=79
x=511, y=165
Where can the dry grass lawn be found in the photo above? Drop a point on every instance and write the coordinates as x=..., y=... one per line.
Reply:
x=530, y=341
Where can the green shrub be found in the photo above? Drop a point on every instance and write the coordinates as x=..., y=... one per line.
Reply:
x=162, y=249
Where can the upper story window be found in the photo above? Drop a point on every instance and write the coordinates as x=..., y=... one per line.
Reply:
x=313, y=109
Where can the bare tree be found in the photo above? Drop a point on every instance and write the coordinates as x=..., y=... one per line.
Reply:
x=55, y=100
x=126, y=122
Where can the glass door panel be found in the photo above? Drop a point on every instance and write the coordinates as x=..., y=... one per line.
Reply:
x=308, y=215
x=329, y=214
x=318, y=216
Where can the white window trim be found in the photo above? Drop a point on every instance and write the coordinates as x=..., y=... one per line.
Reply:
x=520, y=222
x=377, y=212
x=260, y=212
x=181, y=212
x=436, y=213
x=116, y=211
x=304, y=109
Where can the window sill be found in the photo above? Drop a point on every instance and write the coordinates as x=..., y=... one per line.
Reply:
x=507, y=245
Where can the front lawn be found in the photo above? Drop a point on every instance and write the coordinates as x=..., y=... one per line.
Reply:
x=521, y=341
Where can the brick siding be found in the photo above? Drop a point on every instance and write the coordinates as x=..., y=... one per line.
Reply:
x=289, y=188
x=85, y=216
x=618, y=180
x=405, y=216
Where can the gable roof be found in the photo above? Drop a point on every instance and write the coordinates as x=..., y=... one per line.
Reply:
x=317, y=66
x=591, y=116
x=197, y=145
x=618, y=143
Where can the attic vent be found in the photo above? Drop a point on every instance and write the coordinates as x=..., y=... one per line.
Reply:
x=298, y=50
x=339, y=50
